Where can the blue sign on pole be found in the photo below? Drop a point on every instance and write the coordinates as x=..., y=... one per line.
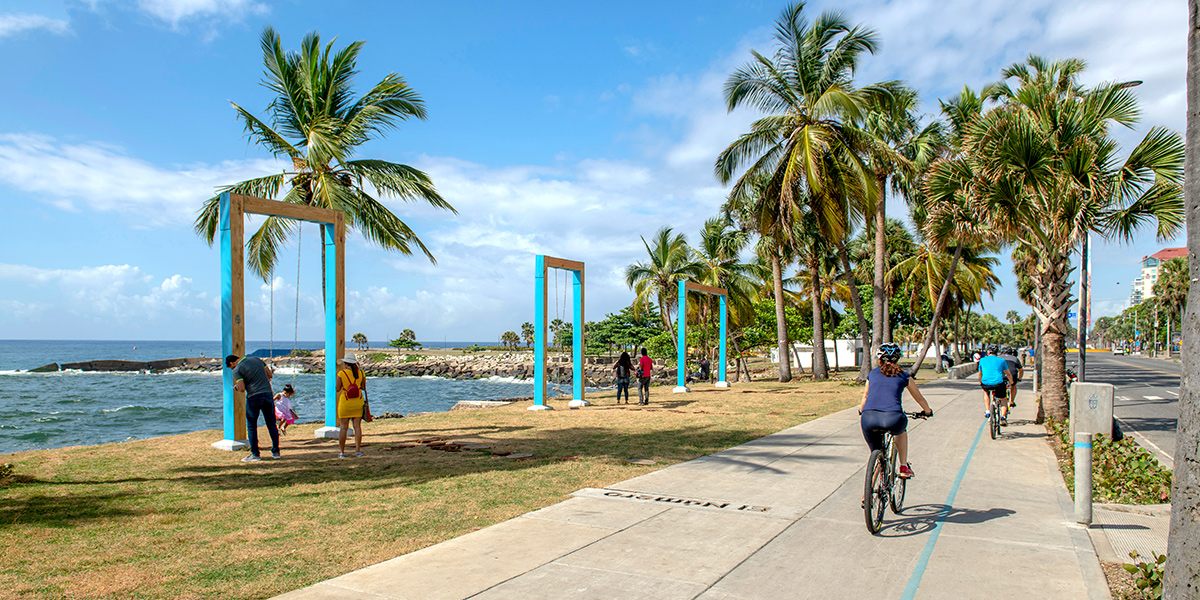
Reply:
x=1071, y=315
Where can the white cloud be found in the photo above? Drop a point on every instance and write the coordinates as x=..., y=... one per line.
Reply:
x=176, y=11
x=11, y=25
x=103, y=178
x=112, y=295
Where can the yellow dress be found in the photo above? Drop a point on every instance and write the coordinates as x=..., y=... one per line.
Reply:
x=349, y=408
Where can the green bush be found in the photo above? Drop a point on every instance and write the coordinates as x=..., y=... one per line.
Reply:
x=1147, y=576
x=300, y=353
x=662, y=347
x=377, y=356
x=1122, y=472
x=6, y=471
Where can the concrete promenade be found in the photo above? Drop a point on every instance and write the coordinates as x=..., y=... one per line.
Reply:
x=780, y=517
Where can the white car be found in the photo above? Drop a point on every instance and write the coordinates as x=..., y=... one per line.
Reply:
x=1118, y=351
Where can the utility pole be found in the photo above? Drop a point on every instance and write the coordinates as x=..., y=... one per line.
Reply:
x=1083, y=307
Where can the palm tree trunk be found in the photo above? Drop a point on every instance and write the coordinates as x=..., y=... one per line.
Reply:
x=957, y=337
x=865, y=364
x=739, y=361
x=796, y=353
x=820, y=366
x=1182, y=571
x=887, y=322
x=937, y=311
x=785, y=360
x=1053, y=294
x=878, y=294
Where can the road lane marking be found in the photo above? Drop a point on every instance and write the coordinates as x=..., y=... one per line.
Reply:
x=919, y=571
x=1176, y=394
x=1144, y=438
x=1153, y=398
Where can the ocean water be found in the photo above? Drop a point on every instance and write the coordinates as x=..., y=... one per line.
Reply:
x=54, y=410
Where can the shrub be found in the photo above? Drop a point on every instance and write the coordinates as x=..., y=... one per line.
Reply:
x=1122, y=472
x=377, y=356
x=1148, y=576
x=300, y=352
x=6, y=471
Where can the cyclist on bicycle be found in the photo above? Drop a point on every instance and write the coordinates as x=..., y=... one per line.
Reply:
x=994, y=374
x=1015, y=369
x=881, y=407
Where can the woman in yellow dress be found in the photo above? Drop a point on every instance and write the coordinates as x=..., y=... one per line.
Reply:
x=351, y=395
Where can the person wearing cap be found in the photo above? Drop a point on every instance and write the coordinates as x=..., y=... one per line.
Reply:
x=253, y=376
x=351, y=397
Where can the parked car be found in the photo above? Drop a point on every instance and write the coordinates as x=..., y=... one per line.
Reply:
x=1118, y=351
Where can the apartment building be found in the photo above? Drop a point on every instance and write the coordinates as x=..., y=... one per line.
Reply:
x=1143, y=286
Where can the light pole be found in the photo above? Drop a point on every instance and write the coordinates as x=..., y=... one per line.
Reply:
x=1083, y=306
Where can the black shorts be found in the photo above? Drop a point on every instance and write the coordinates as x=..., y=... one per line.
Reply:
x=999, y=390
x=875, y=422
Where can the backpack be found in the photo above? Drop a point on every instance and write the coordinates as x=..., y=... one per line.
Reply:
x=622, y=371
x=352, y=390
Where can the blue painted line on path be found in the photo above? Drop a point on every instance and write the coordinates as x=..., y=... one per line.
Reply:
x=919, y=571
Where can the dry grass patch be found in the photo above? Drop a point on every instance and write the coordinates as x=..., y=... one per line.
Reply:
x=172, y=517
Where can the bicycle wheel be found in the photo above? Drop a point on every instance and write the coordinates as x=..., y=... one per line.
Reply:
x=896, y=497
x=994, y=419
x=875, y=493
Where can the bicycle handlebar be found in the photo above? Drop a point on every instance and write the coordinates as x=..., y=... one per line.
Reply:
x=921, y=415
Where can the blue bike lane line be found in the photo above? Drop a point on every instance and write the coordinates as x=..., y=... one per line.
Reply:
x=910, y=591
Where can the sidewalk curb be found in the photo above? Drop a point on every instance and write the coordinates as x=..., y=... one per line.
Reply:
x=1082, y=537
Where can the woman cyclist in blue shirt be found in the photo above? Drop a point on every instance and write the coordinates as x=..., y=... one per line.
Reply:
x=882, y=409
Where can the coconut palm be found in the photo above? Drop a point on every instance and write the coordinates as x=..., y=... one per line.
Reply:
x=806, y=149
x=718, y=254
x=657, y=279
x=510, y=339
x=527, y=333
x=359, y=339
x=316, y=125
x=1170, y=291
x=1046, y=172
x=895, y=123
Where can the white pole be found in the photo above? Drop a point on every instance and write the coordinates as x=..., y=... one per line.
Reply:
x=1083, y=478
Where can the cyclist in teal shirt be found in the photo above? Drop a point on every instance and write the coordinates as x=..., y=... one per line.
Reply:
x=994, y=375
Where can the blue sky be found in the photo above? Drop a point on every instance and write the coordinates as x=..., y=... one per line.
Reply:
x=554, y=128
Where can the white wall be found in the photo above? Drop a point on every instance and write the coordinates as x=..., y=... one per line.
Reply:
x=847, y=353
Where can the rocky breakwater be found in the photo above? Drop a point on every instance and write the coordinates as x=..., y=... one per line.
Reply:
x=518, y=365
x=113, y=365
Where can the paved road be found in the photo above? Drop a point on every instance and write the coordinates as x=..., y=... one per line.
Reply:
x=1147, y=397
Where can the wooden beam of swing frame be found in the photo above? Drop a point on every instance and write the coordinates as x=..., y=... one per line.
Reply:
x=681, y=331
x=542, y=266
x=233, y=209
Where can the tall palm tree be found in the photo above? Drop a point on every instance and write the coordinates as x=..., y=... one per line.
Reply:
x=657, y=279
x=718, y=254
x=1048, y=173
x=807, y=148
x=359, y=339
x=527, y=333
x=909, y=149
x=1170, y=291
x=1181, y=571
x=317, y=124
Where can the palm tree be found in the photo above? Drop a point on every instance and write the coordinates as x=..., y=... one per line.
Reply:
x=527, y=333
x=718, y=253
x=1181, y=571
x=807, y=148
x=670, y=261
x=510, y=338
x=896, y=124
x=1047, y=173
x=317, y=124
x=359, y=339
x=1170, y=291
x=1013, y=317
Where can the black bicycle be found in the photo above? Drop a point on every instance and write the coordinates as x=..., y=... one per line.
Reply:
x=884, y=485
x=993, y=415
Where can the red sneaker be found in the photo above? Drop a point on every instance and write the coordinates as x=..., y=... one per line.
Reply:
x=906, y=472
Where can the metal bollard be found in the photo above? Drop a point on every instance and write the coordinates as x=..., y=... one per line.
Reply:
x=1083, y=478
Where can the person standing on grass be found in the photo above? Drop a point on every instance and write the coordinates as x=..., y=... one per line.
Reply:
x=645, y=369
x=351, y=400
x=624, y=369
x=253, y=376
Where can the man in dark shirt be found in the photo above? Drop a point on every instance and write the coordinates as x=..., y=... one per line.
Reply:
x=253, y=376
x=1017, y=371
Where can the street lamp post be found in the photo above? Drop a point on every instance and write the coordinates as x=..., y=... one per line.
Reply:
x=1083, y=306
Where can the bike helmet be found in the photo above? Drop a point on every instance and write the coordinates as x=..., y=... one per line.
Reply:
x=888, y=353
x=993, y=349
